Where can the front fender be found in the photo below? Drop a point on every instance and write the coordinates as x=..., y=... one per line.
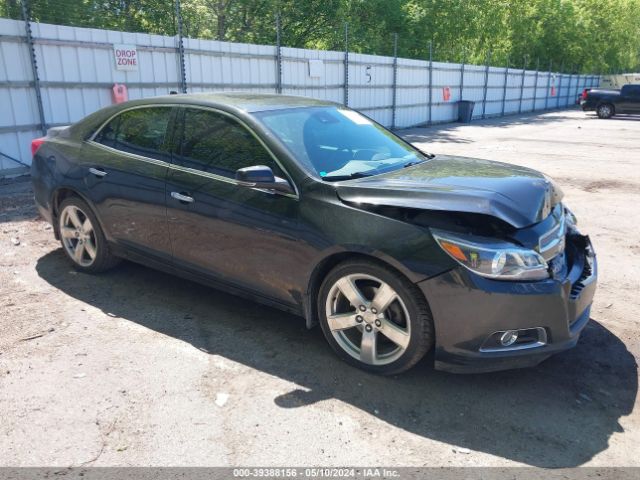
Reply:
x=337, y=232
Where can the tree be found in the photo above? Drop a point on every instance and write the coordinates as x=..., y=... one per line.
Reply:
x=584, y=35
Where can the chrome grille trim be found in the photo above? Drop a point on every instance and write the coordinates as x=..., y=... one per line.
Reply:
x=553, y=242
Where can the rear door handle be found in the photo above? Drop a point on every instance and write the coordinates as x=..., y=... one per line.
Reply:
x=182, y=198
x=98, y=172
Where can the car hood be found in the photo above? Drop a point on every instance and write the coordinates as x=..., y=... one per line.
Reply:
x=517, y=195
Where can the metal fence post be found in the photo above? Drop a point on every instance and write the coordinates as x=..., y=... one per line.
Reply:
x=569, y=87
x=486, y=81
x=581, y=80
x=430, y=79
x=559, y=85
x=535, y=85
x=278, y=55
x=346, y=64
x=464, y=59
x=504, y=85
x=546, y=97
x=395, y=81
x=181, y=66
x=524, y=71
x=26, y=15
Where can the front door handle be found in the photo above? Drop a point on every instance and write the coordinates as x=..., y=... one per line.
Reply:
x=98, y=172
x=181, y=197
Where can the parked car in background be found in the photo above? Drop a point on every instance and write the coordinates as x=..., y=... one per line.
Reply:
x=313, y=208
x=607, y=103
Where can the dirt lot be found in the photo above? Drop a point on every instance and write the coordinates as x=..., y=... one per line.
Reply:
x=135, y=367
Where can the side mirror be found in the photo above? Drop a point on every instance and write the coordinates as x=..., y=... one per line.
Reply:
x=261, y=176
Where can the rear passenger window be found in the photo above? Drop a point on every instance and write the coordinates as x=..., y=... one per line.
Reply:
x=215, y=143
x=141, y=131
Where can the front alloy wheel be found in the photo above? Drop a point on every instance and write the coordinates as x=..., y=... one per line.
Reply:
x=368, y=319
x=374, y=317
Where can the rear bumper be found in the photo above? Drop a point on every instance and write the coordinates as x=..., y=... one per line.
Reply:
x=45, y=212
x=586, y=106
x=469, y=309
x=41, y=189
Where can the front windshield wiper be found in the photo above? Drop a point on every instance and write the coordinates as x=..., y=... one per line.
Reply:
x=412, y=163
x=427, y=154
x=333, y=178
x=416, y=162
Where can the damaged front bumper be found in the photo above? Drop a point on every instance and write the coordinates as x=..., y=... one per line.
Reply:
x=471, y=313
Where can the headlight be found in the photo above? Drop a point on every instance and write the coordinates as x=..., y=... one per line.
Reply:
x=493, y=258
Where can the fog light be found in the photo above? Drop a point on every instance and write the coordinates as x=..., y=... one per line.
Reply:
x=508, y=338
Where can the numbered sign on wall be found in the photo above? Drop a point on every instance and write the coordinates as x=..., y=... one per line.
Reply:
x=316, y=68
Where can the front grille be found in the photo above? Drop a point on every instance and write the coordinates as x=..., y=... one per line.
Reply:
x=553, y=242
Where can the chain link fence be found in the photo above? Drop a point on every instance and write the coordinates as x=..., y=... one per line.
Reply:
x=56, y=74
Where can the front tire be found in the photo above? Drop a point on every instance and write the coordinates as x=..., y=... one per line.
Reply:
x=82, y=238
x=605, y=110
x=374, y=318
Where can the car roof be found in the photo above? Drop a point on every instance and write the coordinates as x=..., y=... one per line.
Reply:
x=245, y=101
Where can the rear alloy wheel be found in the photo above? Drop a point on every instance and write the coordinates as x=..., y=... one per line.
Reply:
x=374, y=318
x=605, y=111
x=78, y=236
x=81, y=237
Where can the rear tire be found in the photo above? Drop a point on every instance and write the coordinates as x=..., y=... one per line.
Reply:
x=605, y=110
x=82, y=239
x=374, y=318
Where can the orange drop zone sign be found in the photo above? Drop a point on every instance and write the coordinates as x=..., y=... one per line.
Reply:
x=126, y=57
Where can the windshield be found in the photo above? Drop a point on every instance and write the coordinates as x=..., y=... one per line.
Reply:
x=337, y=143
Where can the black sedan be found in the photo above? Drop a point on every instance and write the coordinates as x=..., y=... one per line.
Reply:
x=313, y=208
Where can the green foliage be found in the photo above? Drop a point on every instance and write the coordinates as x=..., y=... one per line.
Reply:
x=580, y=35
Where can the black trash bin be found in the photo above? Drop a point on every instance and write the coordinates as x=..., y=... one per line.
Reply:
x=465, y=111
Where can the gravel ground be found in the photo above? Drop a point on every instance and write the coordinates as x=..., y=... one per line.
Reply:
x=136, y=367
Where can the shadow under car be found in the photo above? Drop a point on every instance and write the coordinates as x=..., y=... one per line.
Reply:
x=559, y=414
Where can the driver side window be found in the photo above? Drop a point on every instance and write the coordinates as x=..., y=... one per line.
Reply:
x=214, y=143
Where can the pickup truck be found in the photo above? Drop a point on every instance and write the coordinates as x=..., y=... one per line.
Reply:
x=607, y=103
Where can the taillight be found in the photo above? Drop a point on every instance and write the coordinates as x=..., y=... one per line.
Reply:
x=36, y=144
